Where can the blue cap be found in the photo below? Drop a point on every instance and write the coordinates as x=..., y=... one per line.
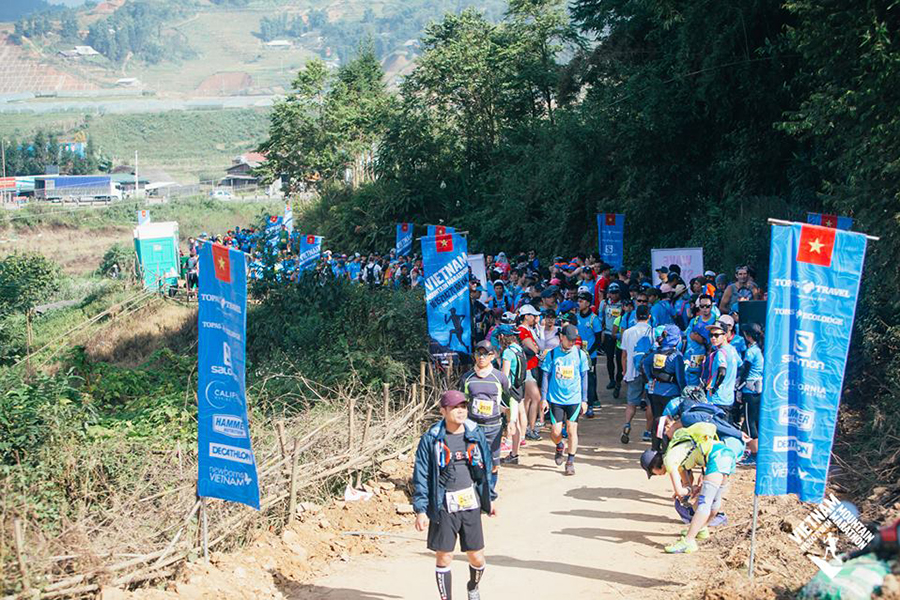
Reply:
x=566, y=305
x=506, y=329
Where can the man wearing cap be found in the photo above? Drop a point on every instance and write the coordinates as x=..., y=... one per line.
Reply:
x=487, y=390
x=548, y=297
x=661, y=308
x=609, y=310
x=452, y=489
x=723, y=368
x=512, y=364
x=662, y=273
x=698, y=342
x=663, y=368
x=590, y=329
x=603, y=277
x=564, y=390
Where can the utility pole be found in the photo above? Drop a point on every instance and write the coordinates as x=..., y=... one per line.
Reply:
x=135, y=173
x=3, y=155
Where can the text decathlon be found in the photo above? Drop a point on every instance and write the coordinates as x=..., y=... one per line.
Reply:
x=793, y=416
x=807, y=363
x=446, y=274
x=224, y=476
x=229, y=425
x=232, y=453
x=808, y=287
x=789, y=443
x=221, y=302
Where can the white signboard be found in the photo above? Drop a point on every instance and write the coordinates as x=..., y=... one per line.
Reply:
x=476, y=263
x=689, y=259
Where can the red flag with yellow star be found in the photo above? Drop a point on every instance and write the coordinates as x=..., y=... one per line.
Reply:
x=443, y=243
x=816, y=245
x=221, y=263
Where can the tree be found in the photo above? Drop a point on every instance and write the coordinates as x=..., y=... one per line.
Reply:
x=69, y=27
x=26, y=279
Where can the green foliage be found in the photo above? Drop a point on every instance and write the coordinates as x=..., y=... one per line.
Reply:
x=138, y=28
x=118, y=261
x=333, y=331
x=26, y=280
x=328, y=123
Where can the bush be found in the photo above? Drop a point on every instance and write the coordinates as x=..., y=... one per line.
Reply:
x=117, y=262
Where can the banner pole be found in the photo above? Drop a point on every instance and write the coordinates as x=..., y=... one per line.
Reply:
x=874, y=238
x=204, y=528
x=753, y=533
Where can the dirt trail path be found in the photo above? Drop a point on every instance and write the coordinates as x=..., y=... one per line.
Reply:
x=598, y=534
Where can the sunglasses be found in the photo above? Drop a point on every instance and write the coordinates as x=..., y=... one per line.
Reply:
x=715, y=335
x=641, y=301
x=706, y=306
x=482, y=354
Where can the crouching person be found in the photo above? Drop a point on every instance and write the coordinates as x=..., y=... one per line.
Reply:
x=694, y=447
x=452, y=489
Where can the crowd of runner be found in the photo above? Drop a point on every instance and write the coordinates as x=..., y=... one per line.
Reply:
x=542, y=337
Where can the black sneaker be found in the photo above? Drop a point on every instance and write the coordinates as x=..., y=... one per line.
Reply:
x=625, y=433
x=617, y=390
x=510, y=459
x=558, y=458
x=610, y=385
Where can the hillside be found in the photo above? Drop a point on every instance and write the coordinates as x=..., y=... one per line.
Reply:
x=204, y=48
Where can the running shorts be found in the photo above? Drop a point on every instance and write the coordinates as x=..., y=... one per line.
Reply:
x=722, y=460
x=635, y=392
x=492, y=435
x=466, y=524
x=564, y=412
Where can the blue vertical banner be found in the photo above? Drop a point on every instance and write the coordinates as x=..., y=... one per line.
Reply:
x=310, y=251
x=404, y=239
x=611, y=232
x=226, y=465
x=143, y=216
x=434, y=230
x=288, y=217
x=814, y=275
x=447, y=292
x=834, y=221
x=273, y=228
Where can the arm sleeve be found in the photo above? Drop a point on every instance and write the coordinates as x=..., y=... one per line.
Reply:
x=420, y=476
x=718, y=378
x=545, y=384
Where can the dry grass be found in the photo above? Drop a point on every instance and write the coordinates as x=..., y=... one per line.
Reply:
x=77, y=251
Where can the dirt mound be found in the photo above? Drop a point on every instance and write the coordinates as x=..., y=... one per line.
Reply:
x=220, y=83
x=273, y=566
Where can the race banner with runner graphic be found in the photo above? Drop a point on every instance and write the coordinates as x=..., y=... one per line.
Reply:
x=273, y=227
x=434, y=230
x=310, y=251
x=289, y=217
x=814, y=275
x=447, y=292
x=834, y=221
x=611, y=230
x=404, y=239
x=143, y=216
x=226, y=466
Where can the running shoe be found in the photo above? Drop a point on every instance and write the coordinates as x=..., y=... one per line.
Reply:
x=590, y=413
x=703, y=534
x=611, y=385
x=505, y=446
x=626, y=431
x=647, y=436
x=682, y=546
x=533, y=435
x=538, y=425
x=510, y=459
x=749, y=460
x=617, y=390
x=570, y=468
x=474, y=595
x=558, y=457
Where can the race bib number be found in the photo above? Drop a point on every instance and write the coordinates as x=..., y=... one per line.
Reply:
x=565, y=372
x=697, y=360
x=484, y=408
x=659, y=361
x=461, y=500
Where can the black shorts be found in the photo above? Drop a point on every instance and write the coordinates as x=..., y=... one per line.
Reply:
x=564, y=412
x=466, y=524
x=493, y=437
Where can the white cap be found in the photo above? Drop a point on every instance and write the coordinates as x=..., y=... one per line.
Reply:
x=528, y=309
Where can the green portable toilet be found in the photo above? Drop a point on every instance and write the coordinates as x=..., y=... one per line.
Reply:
x=156, y=245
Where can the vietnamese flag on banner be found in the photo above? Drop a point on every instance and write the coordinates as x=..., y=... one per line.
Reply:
x=443, y=243
x=816, y=245
x=221, y=263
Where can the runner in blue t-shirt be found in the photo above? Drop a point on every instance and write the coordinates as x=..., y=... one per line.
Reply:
x=724, y=368
x=751, y=390
x=564, y=391
x=590, y=327
x=698, y=344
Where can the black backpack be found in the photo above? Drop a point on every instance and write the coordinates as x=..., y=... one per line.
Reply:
x=517, y=383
